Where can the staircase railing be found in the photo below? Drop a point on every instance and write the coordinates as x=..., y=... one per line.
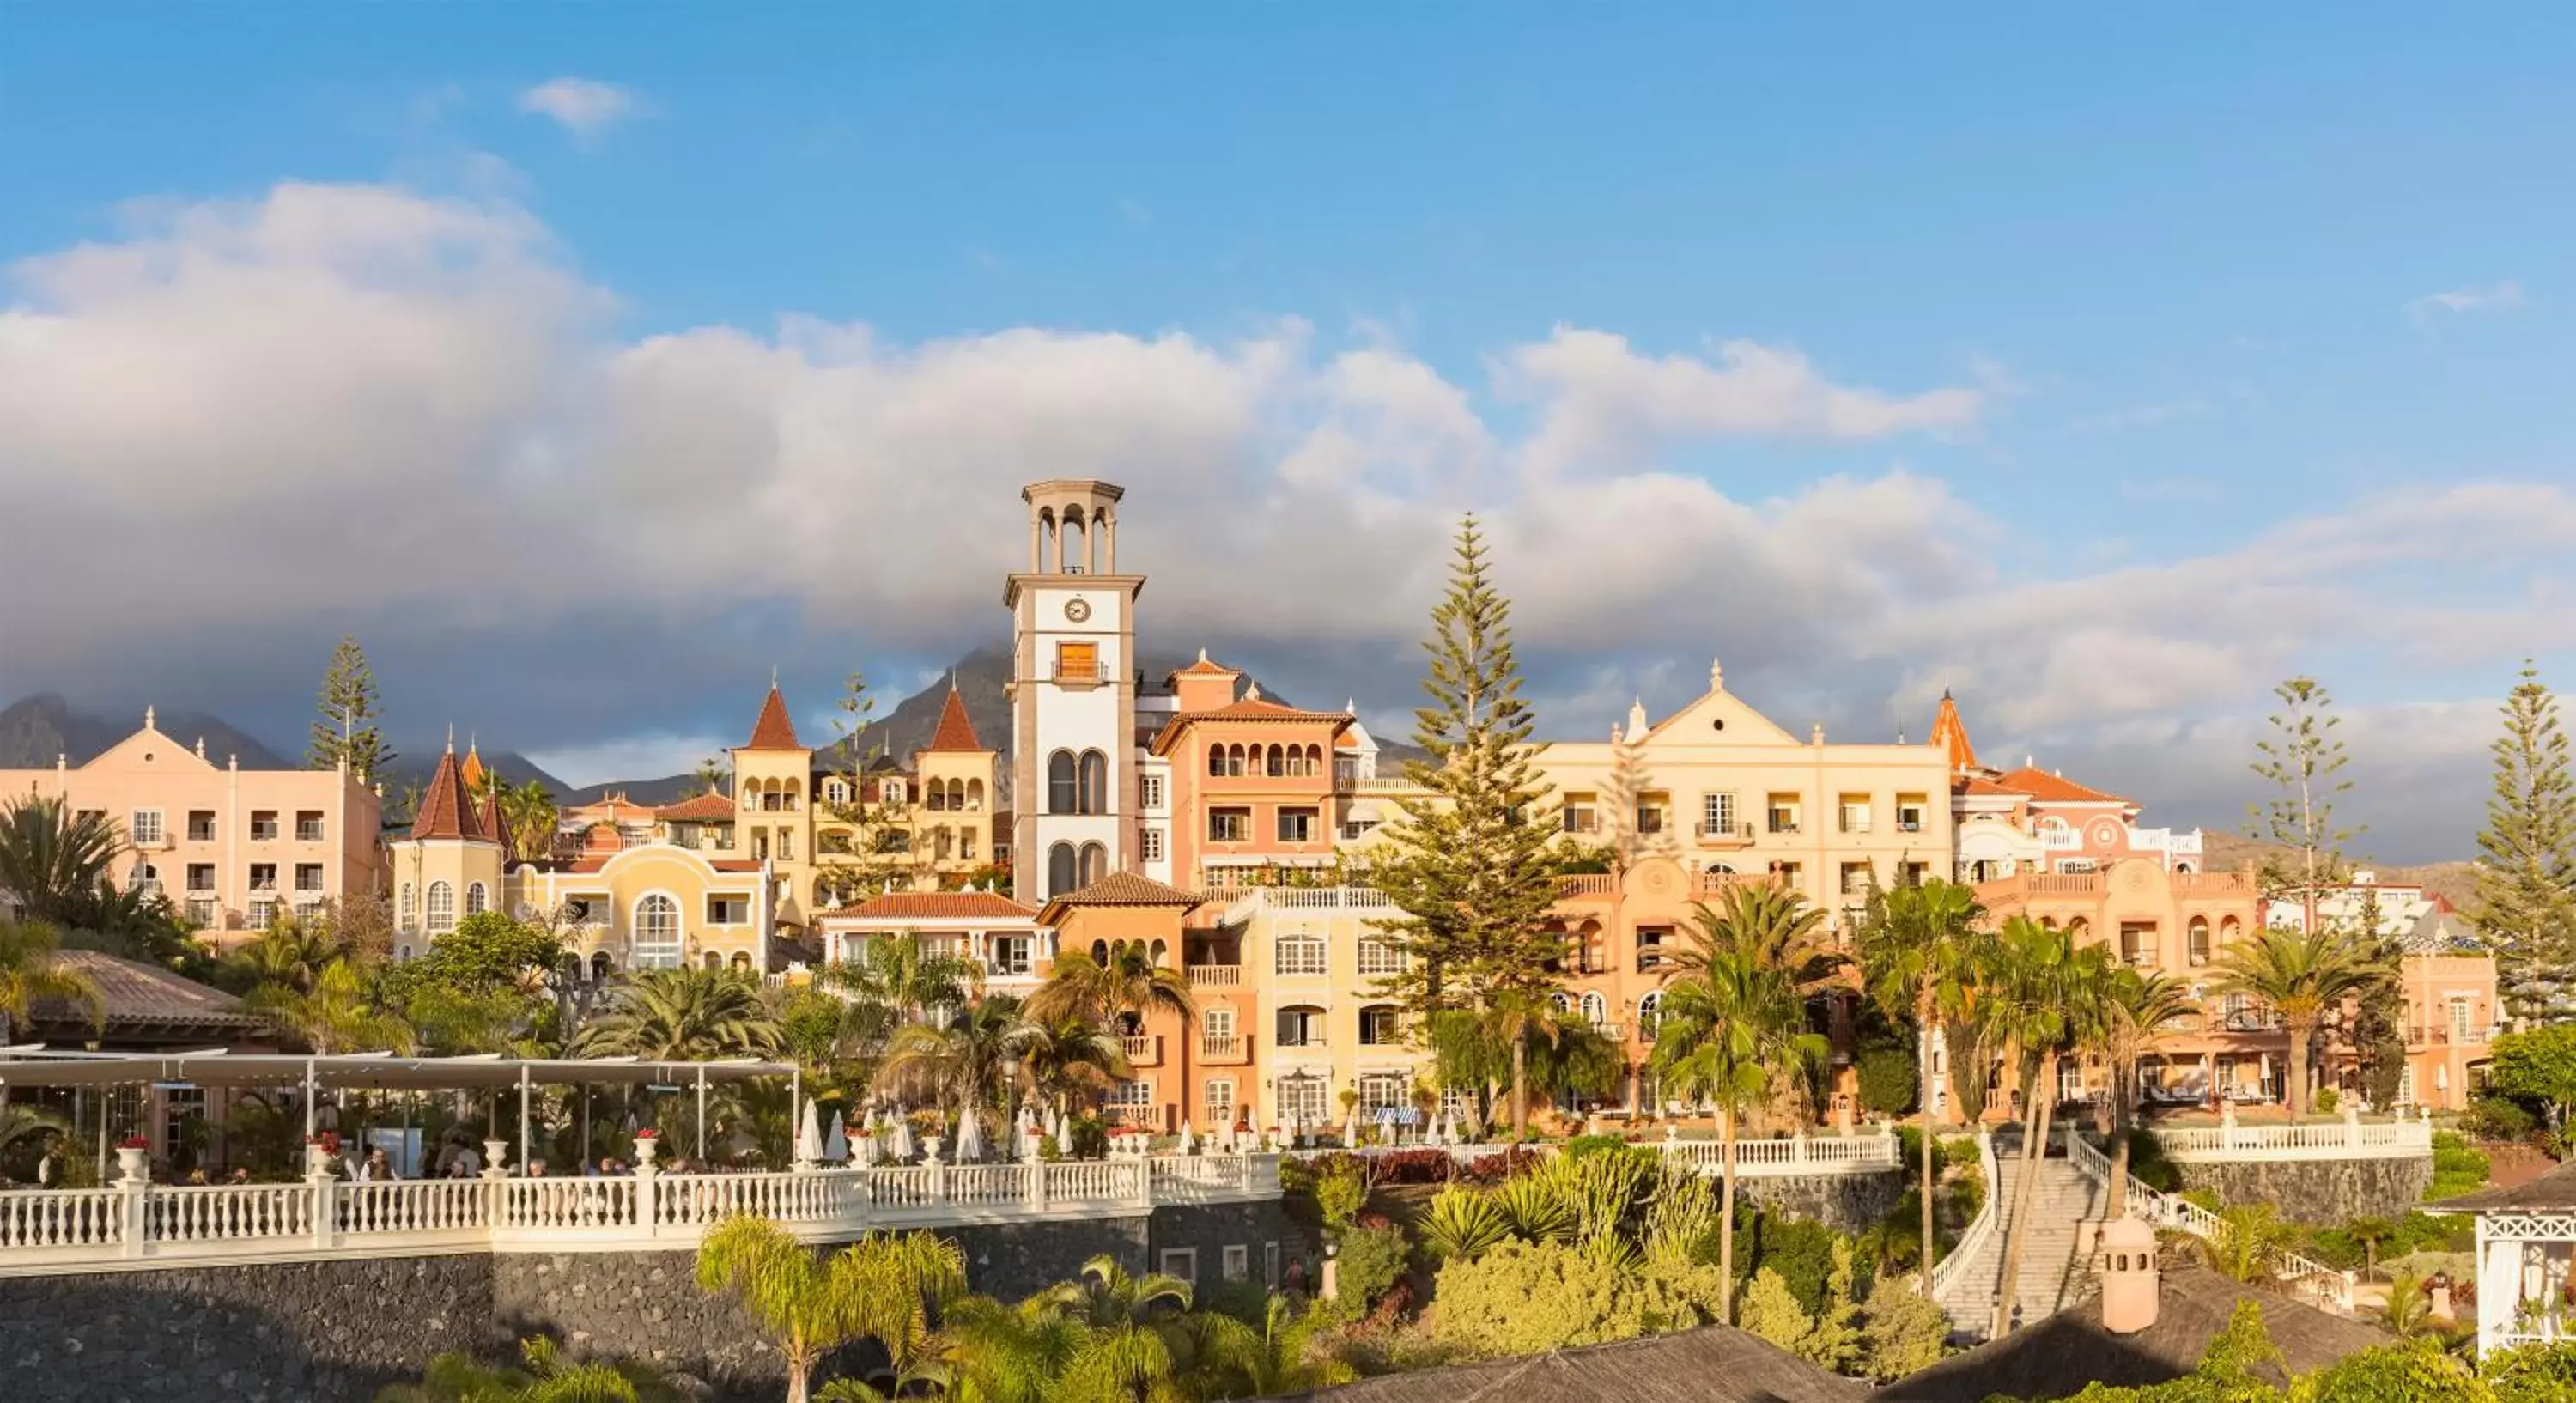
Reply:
x=2331, y=1287
x=1945, y=1272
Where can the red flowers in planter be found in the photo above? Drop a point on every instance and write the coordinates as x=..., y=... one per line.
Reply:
x=648, y=1133
x=134, y=1142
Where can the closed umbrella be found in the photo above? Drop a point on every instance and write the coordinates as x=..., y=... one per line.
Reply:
x=1351, y=1129
x=970, y=1136
x=809, y=1139
x=864, y=1149
x=836, y=1141
x=1189, y=1139
x=901, y=1149
x=1027, y=1125
x=1055, y=1127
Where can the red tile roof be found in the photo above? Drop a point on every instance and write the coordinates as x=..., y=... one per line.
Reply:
x=1128, y=889
x=1978, y=786
x=936, y=906
x=446, y=811
x=955, y=731
x=705, y=808
x=1251, y=708
x=1204, y=668
x=773, y=731
x=2040, y=784
x=1949, y=731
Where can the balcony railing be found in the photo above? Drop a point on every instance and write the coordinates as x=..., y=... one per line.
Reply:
x=1215, y=976
x=2442, y=1033
x=2350, y=1138
x=135, y=1224
x=1224, y=1047
x=1142, y=1049
x=1722, y=835
x=1586, y=884
x=1615, y=1032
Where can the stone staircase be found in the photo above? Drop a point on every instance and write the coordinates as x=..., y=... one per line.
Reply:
x=2053, y=1275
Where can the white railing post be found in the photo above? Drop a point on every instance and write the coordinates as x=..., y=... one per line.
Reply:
x=1036, y=1193
x=326, y=1218
x=1142, y=1194
x=1798, y=1148
x=648, y=1182
x=136, y=1212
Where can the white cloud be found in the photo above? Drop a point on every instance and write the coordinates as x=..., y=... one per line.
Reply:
x=2487, y=297
x=585, y=107
x=338, y=407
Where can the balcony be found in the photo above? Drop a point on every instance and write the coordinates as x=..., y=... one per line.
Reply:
x=308, y=832
x=1615, y=1032
x=2442, y=1034
x=1586, y=884
x=1142, y=1049
x=1223, y=1049
x=1784, y=826
x=263, y=832
x=1215, y=976
x=1723, y=835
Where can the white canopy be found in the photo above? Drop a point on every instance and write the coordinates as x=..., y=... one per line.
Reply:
x=374, y=1071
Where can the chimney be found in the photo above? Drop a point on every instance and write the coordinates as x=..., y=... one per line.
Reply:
x=2129, y=1281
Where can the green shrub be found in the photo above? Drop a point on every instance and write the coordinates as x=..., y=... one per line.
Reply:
x=1524, y=1298
x=2457, y=1169
x=1296, y=1176
x=2327, y=1099
x=1901, y=1331
x=2498, y=1117
x=1770, y=1310
x=1341, y=1186
x=1582, y=1145
x=1371, y=1261
x=2531, y=1374
x=1889, y=1079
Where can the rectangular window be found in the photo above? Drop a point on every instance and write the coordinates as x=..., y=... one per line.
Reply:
x=760, y=845
x=263, y=876
x=1302, y=1099
x=1716, y=815
x=1238, y=1261
x=201, y=912
x=1579, y=814
x=146, y=828
x=1132, y=1094
x=1270, y=1265
x=1296, y=825
x=1149, y=791
x=308, y=825
x=1380, y=957
x=1911, y=810
x=787, y=845
x=1297, y=954
x=1217, y=1096
x=2138, y=943
x=1301, y=1027
x=1381, y=1091
x=728, y=910
x=2075, y=866
x=1149, y=844
x=1379, y=1028
x=1077, y=663
x=1217, y=1022
x=1783, y=812
x=1650, y=817
x=1229, y=825
x=308, y=876
x=201, y=825
x=1856, y=879
x=1912, y=874
x=1855, y=813
x=1791, y=874
x=966, y=844
x=1181, y=1262
x=1010, y=954
x=263, y=913
x=201, y=876
x=263, y=825
x=1650, y=946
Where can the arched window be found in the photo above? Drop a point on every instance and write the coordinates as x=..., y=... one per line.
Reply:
x=1596, y=1009
x=442, y=908
x=402, y=952
x=975, y=796
x=2199, y=940
x=1047, y=560
x=2228, y=931
x=407, y=913
x=2077, y=930
x=1234, y=761
x=1064, y=788
x=1160, y=952
x=1095, y=782
x=1061, y=874
x=713, y=961
x=1561, y=1001
x=1650, y=1010
x=1076, y=548
x=1274, y=762
x=601, y=967
x=1216, y=760
x=935, y=796
x=656, y=942
x=476, y=899
x=1095, y=863
x=741, y=962
x=1100, y=952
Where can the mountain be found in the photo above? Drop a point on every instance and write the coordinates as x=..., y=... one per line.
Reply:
x=2454, y=881
x=414, y=767
x=36, y=729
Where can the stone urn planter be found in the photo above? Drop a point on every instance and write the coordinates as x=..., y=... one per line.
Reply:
x=131, y=1162
x=317, y=1159
x=496, y=1156
x=646, y=1146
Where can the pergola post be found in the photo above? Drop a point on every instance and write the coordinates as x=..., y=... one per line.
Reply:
x=312, y=1093
x=702, y=1120
x=526, y=1147
x=795, y=1112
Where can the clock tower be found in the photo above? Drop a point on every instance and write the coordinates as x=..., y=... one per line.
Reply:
x=1073, y=693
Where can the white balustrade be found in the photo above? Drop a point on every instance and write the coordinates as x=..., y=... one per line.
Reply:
x=229, y=1212
x=2344, y=1139
x=61, y=1218
x=2332, y=1288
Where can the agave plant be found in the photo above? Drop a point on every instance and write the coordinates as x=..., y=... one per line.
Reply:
x=1462, y=1224
x=1535, y=1208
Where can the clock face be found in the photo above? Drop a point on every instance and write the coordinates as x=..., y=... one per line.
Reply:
x=1077, y=609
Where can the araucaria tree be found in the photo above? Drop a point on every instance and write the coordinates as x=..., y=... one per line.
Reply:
x=2304, y=760
x=865, y=845
x=346, y=727
x=2527, y=880
x=1468, y=862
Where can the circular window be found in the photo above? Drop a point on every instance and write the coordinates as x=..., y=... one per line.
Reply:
x=1718, y=725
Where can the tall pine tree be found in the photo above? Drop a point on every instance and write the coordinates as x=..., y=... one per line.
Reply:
x=2527, y=882
x=2304, y=760
x=346, y=728
x=1468, y=862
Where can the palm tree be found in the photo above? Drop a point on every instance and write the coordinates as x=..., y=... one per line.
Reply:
x=2408, y=1309
x=1279, y=1357
x=1922, y=951
x=1111, y=1295
x=53, y=859
x=2302, y=975
x=290, y=954
x=882, y=1287
x=1513, y=1019
x=547, y=1378
x=970, y=1063
x=530, y=815
x=901, y=974
x=683, y=1015
x=31, y=969
x=1069, y=1057
x=1771, y=919
x=2129, y=1020
x=1726, y=1034
x=1135, y=1323
x=340, y=1013
x=2036, y=994
x=1128, y=982
x=993, y=1353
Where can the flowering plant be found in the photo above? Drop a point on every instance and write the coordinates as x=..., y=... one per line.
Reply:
x=648, y=1133
x=134, y=1142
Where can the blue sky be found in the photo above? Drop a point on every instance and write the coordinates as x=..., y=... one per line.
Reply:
x=2191, y=348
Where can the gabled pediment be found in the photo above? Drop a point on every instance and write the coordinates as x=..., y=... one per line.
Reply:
x=1719, y=718
x=148, y=750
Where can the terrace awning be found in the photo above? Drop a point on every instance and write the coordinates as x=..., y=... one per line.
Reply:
x=22, y=1067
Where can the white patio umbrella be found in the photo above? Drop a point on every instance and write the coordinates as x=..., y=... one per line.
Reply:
x=836, y=1141
x=809, y=1139
x=864, y=1149
x=901, y=1149
x=1055, y=1126
x=1351, y=1129
x=1025, y=1128
x=1189, y=1139
x=970, y=1136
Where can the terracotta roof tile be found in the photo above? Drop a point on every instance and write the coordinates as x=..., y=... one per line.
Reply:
x=774, y=730
x=1128, y=889
x=1951, y=732
x=1979, y=786
x=1252, y=708
x=1204, y=668
x=935, y=906
x=2040, y=784
x=956, y=731
x=446, y=811
x=705, y=808
x=130, y=991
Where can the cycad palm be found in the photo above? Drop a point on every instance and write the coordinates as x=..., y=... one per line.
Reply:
x=1921, y=950
x=338, y=1014
x=2302, y=975
x=1725, y=1033
x=32, y=969
x=683, y=1015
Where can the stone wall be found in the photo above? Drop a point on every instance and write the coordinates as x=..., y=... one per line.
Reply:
x=1849, y=1203
x=252, y=1334
x=2320, y=1192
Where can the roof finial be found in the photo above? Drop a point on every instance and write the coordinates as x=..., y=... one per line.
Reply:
x=147, y=718
x=773, y=677
x=952, y=679
x=1253, y=692
x=1716, y=675
x=451, y=737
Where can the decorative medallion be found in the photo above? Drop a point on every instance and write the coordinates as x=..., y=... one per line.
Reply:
x=1658, y=879
x=1077, y=609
